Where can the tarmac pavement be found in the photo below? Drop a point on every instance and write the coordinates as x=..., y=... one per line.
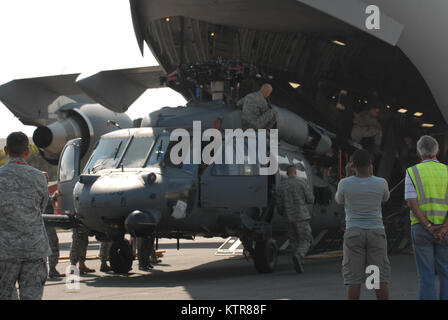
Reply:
x=195, y=272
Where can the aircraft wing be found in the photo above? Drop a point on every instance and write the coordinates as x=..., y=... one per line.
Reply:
x=118, y=89
x=35, y=100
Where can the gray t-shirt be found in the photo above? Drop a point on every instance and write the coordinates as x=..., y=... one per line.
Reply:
x=362, y=198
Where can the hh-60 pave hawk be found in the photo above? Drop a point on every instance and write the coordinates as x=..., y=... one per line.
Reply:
x=131, y=185
x=324, y=65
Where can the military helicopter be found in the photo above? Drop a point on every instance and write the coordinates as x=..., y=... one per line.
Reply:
x=131, y=185
x=120, y=179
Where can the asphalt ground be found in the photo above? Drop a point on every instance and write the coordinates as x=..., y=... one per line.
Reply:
x=195, y=272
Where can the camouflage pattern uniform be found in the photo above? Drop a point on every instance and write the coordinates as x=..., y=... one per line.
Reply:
x=292, y=197
x=366, y=125
x=80, y=242
x=104, y=251
x=52, y=238
x=256, y=113
x=24, y=246
x=144, y=248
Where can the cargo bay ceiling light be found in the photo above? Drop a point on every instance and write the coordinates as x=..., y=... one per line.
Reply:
x=339, y=43
x=418, y=114
x=428, y=125
x=212, y=34
x=402, y=110
x=167, y=19
x=294, y=85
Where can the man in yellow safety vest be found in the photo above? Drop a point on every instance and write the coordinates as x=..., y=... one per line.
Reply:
x=426, y=190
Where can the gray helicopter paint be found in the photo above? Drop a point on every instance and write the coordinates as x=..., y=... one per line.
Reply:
x=114, y=194
x=292, y=128
x=216, y=205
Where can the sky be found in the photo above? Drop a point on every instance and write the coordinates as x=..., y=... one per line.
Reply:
x=51, y=37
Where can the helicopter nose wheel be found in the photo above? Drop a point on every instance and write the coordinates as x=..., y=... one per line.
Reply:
x=120, y=256
x=265, y=256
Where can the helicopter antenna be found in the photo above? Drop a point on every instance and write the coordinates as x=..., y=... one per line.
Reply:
x=114, y=123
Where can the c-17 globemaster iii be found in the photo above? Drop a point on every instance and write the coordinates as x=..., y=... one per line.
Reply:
x=324, y=66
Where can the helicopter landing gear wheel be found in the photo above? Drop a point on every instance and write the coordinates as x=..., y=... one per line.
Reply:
x=120, y=256
x=265, y=256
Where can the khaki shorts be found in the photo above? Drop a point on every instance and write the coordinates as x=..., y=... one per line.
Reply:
x=362, y=248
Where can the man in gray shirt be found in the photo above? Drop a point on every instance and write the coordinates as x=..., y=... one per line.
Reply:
x=365, y=241
x=24, y=246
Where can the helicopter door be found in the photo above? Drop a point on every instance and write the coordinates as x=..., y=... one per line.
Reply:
x=233, y=186
x=68, y=173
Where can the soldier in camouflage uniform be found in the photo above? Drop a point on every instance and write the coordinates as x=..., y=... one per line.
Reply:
x=256, y=113
x=366, y=125
x=53, y=239
x=78, y=249
x=104, y=256
x=292, y=198
x=145, y=246
x=24, y=246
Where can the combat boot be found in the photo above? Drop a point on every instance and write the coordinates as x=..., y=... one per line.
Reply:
x=84, y=269
x=105, y=267
x=53, y=273
x=146, y=267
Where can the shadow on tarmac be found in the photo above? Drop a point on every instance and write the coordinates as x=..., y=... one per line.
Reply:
x=235, y=278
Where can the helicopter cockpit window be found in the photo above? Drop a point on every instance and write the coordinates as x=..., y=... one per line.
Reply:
x=106, y=155
x=67, y=169
x=137, y=152
x=159, y=150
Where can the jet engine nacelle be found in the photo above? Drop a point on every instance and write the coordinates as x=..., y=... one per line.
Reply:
x=292, y=128
x=296, y=131
x=86, y=121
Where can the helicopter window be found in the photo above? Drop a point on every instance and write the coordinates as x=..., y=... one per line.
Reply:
x=159, y=150
x=137, y=152
x=236, y=170
x=106, y=155
x=245, y=169
x=184, y=164
x=67, y=169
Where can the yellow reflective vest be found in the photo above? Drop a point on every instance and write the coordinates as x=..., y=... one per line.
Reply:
x=430, y=179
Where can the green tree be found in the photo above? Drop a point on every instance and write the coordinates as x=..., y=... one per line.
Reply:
x=35, y=160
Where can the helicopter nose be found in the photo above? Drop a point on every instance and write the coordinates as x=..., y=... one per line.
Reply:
x=142, y=223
